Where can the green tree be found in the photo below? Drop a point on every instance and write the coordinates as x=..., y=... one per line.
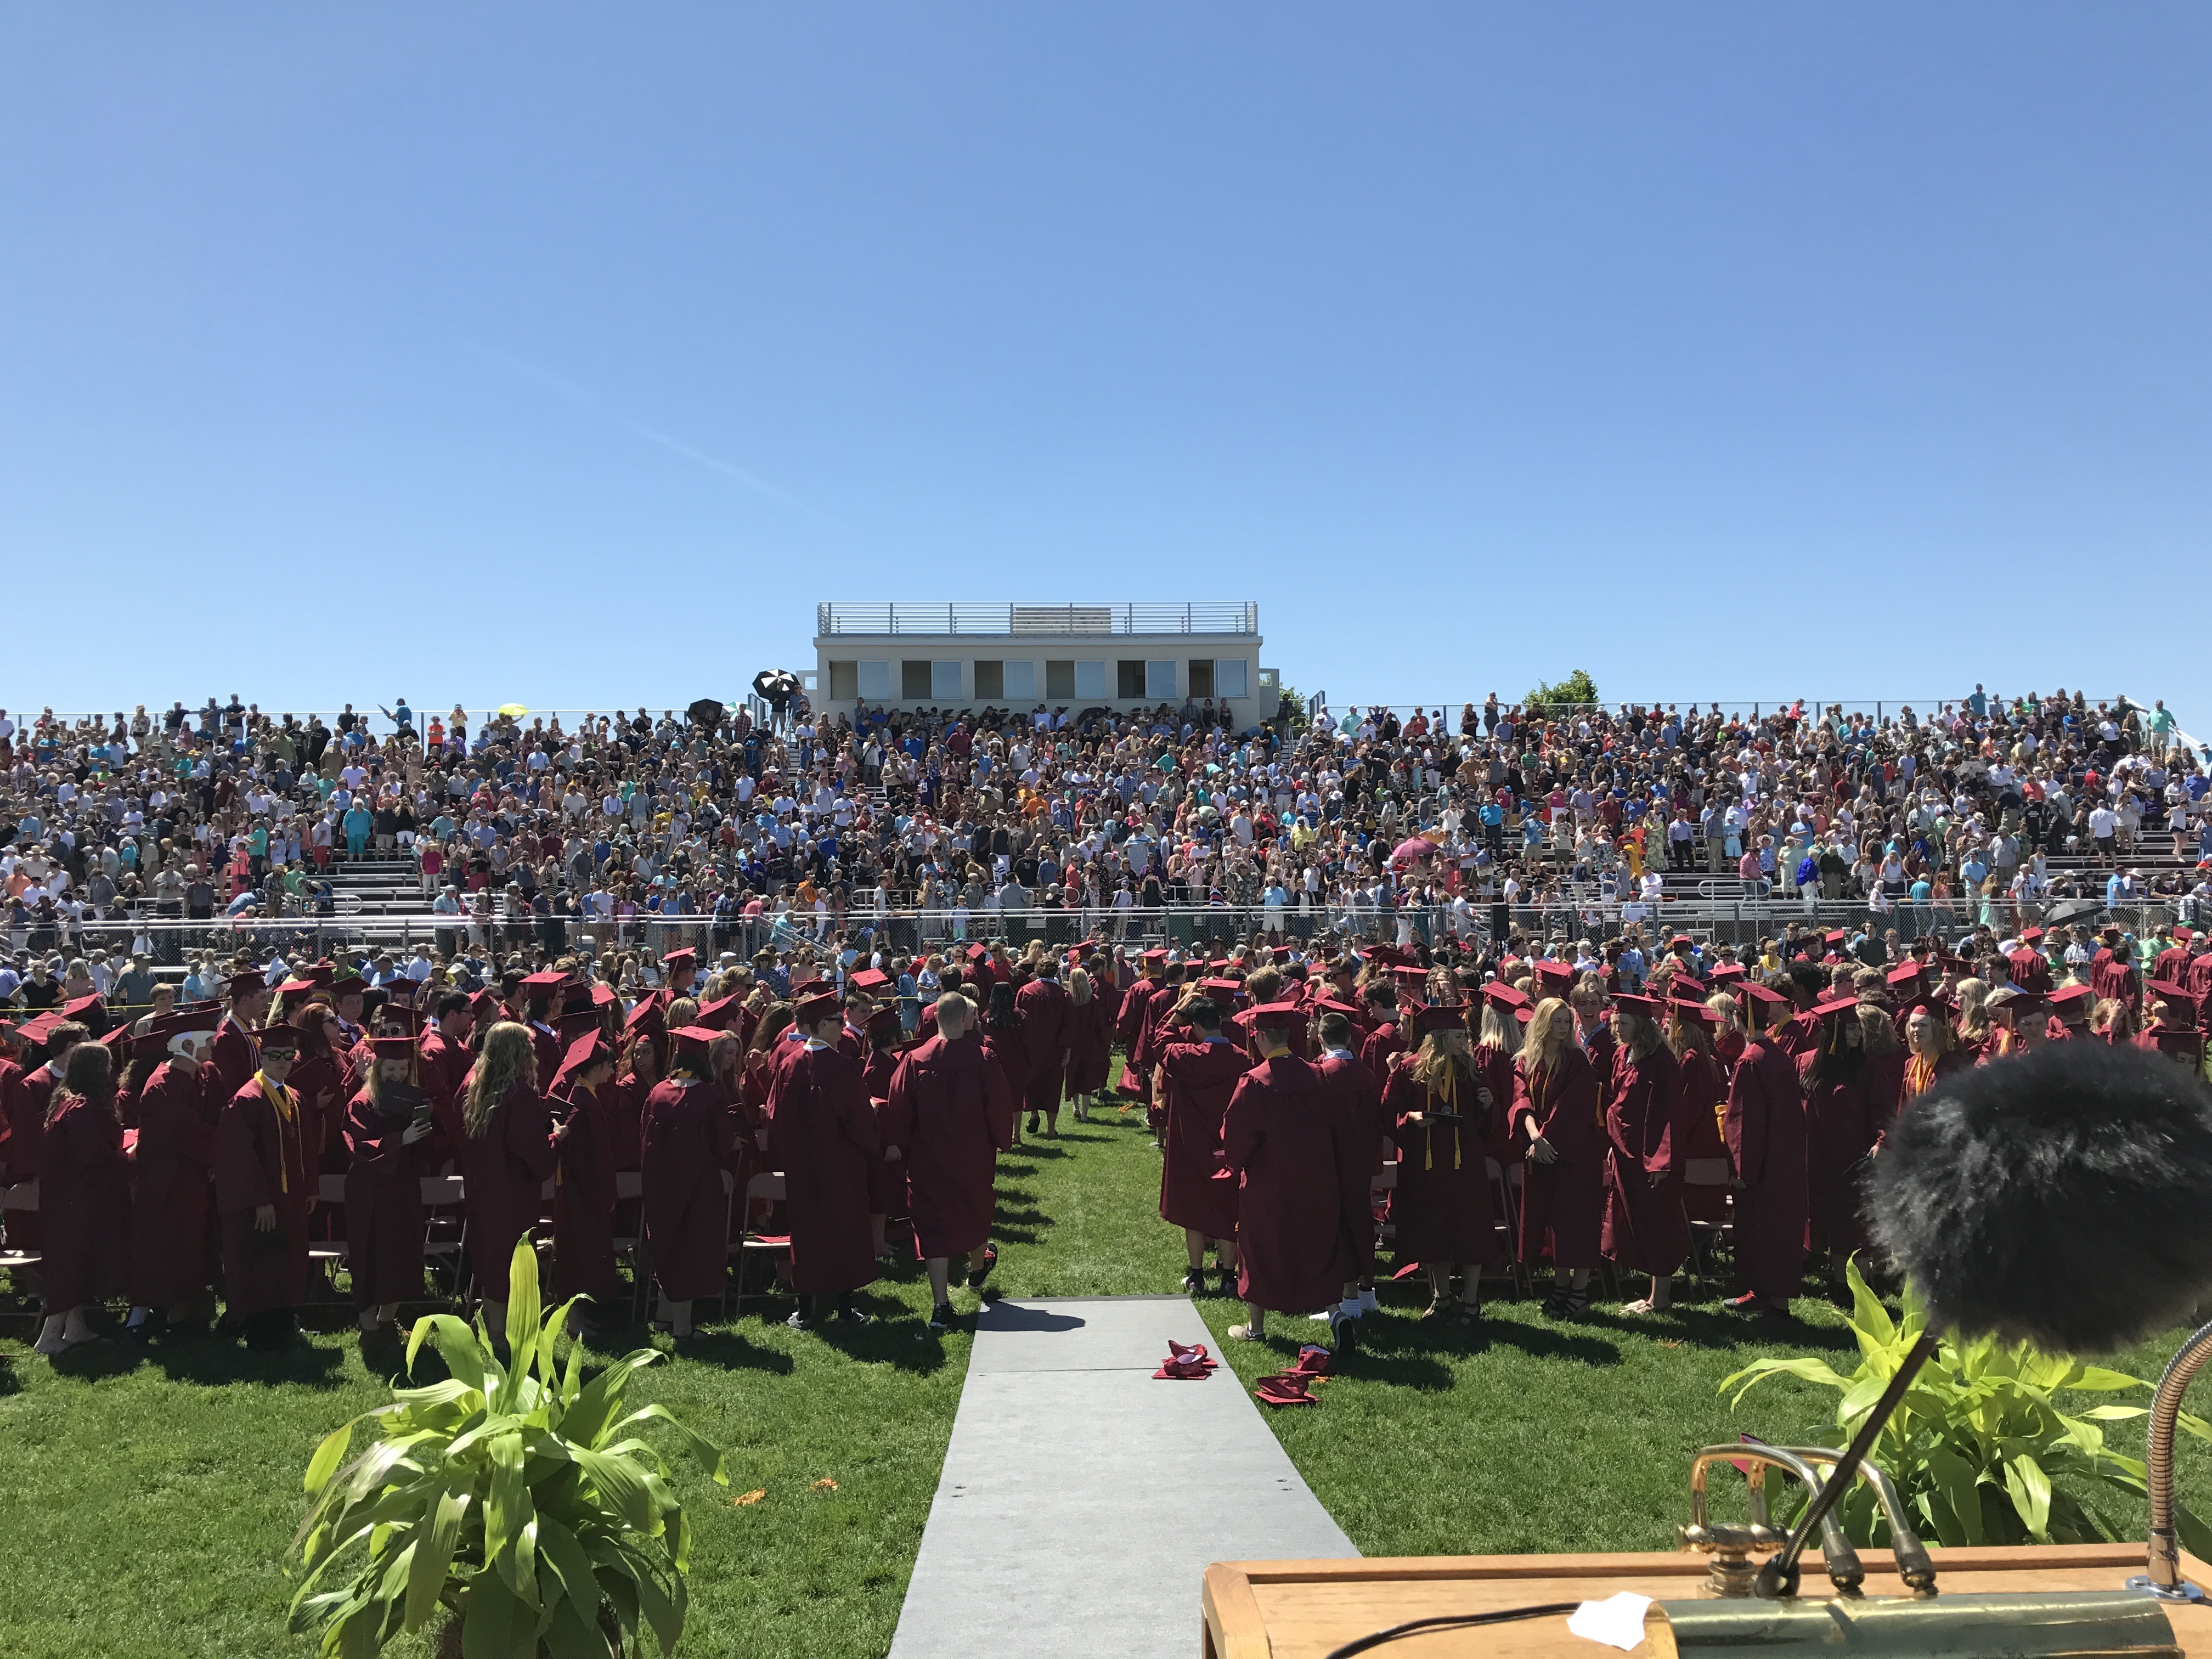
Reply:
x=1578, y=689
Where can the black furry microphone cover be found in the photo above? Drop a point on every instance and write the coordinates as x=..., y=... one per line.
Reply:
x=2063, y=1196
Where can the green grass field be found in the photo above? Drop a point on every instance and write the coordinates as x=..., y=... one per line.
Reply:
x=147, y=1496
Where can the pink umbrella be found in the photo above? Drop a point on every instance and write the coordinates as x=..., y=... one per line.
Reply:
x=1413, y=848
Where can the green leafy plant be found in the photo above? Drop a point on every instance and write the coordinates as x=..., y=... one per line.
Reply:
x=513, y=1501
x=1978, y=1448
x=1578, y=689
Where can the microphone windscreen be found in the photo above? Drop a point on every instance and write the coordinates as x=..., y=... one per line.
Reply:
x=2062, y=1196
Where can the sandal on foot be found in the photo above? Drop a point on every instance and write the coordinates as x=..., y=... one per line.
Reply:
x=977, y=1275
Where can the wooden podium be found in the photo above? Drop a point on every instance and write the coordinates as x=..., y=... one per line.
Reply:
x=1305, y=1609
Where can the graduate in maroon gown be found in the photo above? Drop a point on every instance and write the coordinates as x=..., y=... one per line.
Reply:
x=171, y=1199
x=1383, y=1039
x=443, y=1067
x=264, y=1188
x=388, y=1136
x=1558, y=1113
x=1766, y=1142
x=1129, y=1023
x=1300, y=1165
x=1003, y=1037
x=1193, y=1082
x=1043, y=1007
x=1840, y=1130
x=1701, y=1085
x=512, y=1150
x=236, y=1054
x=1648, y=1125
x=1439, y=1110
x=946, y=1119
x=30, y=1093
x=821, y=1134
x=1151, y=1029
x=84, y=1199
x=685, y=1139
x=1090, y=1011
x=1359, y=1096
x=886, y=1180
x=584, y=1184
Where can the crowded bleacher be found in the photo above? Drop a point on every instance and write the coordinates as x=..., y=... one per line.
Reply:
x=425, y=926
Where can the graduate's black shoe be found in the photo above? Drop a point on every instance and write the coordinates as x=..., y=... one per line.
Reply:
x=144, y=1327
x=941, y=1317
x=1343, y=1330
x=1193, y=1283
x=977, y=1275
x=1034, y=1121
x=850, y=1313
x=1567, y=1304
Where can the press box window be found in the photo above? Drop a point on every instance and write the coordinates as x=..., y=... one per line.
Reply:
x=1059, y=681
x=1020, y=682
x=844, y=682
x=875, y=679
x=1228, y=677
x=1159, y=682
x=1201, y=676
x=1128, y=680
x=944, y=679
x=990, y=680
x=1091, y=681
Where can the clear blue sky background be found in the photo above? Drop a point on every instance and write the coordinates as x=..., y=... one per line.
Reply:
x=567, y=353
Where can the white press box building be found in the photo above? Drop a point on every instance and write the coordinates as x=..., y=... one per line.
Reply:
x=961, y=655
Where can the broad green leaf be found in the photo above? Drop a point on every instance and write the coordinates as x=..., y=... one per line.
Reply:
x=1869, y=1319
x=2097, y=1378
x=522, y=1306
x=508, y=1513
x=709, y=1456
x=620, y=1484
x=2196, y=1537
x=2030, y=1488
x=2193, y=1425
x=559, y=1553
x=2115, y=1413
x=456, y=1344
x=570, y=1633
x=497, y=1625
x=1809, y=1369
x=433, y=1557
x=1954, y=1479
x=659, y=1608
x=602, y=1396
x=329, y=1454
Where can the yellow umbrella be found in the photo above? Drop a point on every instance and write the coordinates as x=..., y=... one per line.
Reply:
x=513, y=711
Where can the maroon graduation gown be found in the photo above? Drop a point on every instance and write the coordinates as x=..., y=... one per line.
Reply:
x=506, y=1168
x=584, y=1202
x=170, y=1197
x=1044, y=1008
x=84, y=1199
x=1767, y=1139
x=1090, y=1042
x=261, y=1157
x=886, y=1180
x=231, y=1059
x=383, y=1204
x=1839, y=1131
x=1647, y=1118
x=1562, y=1202
x=950, y=1113
x=1441, y=1205
x=1358, y=1098
x=1011, y=1049
x=1378, y=1047
x=685, y=1133
x=443, y=1067
x=29, y=1094
x=1198, y=1079
x=821, y=1133
x=1128, y=1028
x=1302, y=1188
x=1701, y=1087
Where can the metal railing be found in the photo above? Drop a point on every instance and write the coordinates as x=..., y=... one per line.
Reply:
x=943, y=617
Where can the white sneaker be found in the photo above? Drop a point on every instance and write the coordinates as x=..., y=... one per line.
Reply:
x=1323, y=1318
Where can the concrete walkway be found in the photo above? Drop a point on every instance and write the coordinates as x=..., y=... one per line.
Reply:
x=1081, y=1501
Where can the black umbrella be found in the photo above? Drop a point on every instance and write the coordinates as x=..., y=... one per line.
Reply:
x=2067, y=910
x=706, y=712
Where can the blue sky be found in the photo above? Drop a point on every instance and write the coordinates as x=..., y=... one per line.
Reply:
x=567, y=353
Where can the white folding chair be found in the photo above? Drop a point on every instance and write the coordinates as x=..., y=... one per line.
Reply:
x=1709, y=1172
x=446, y=1227
x=766, y=1187
x=329, y=1254
x=21, y=1199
